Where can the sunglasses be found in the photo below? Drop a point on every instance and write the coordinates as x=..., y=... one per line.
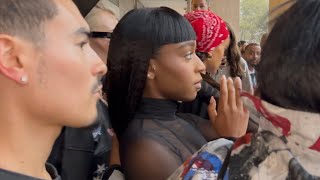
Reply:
x=95, y=34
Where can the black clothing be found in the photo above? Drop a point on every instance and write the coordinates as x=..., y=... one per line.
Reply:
x=156, y=123
x=9, y=175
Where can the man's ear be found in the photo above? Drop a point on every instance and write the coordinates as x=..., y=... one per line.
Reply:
x=10, y=63
x=152, y=69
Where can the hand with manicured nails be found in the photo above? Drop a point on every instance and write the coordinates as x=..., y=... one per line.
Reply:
x=231, y=119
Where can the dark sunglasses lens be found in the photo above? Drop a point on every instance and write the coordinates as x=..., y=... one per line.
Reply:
x=100, y=34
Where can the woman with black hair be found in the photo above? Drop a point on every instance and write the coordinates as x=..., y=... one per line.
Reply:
x=152, y=65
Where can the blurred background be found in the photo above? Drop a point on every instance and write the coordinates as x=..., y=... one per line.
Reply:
x=249, y=18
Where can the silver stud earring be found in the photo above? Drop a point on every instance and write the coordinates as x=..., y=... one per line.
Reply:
x=24, y=79
x=148, y=75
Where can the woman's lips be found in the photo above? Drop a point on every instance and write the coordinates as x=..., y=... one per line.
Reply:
x=198, y=85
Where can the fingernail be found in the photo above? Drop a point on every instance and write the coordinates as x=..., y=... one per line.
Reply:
x=223, y=77
x=211, y=99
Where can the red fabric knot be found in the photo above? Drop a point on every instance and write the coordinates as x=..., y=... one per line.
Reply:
x=210, y=29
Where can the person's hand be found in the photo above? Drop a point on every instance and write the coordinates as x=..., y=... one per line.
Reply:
x=114, y=155
x=231, y=119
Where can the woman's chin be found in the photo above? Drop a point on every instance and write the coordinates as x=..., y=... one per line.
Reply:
x=189, y=98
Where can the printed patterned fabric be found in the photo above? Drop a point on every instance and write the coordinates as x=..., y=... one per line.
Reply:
x=206, y=163
x=210, y=29
x=286, y=146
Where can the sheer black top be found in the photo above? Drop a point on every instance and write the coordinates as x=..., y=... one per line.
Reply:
x=158, y=140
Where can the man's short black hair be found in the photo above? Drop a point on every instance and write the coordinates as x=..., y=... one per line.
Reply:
x=241, y=43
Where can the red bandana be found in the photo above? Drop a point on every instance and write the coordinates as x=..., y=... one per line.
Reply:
x=210, y=29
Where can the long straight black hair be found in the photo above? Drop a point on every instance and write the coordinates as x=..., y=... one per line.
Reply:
x=136, y=39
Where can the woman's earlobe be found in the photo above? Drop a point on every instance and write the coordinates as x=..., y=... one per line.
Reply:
x=152, y=70
x=150, y=75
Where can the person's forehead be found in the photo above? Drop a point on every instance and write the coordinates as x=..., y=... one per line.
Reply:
x=256, y=48
x=175, y=47
x=199, y=1
x=69, y=13
x=105, y=22
x=253, y=48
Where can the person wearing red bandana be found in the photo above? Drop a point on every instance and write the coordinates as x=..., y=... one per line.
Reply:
x=212, y=41
x=212, y=38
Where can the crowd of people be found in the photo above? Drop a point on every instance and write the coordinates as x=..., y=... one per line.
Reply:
x=98, y=97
